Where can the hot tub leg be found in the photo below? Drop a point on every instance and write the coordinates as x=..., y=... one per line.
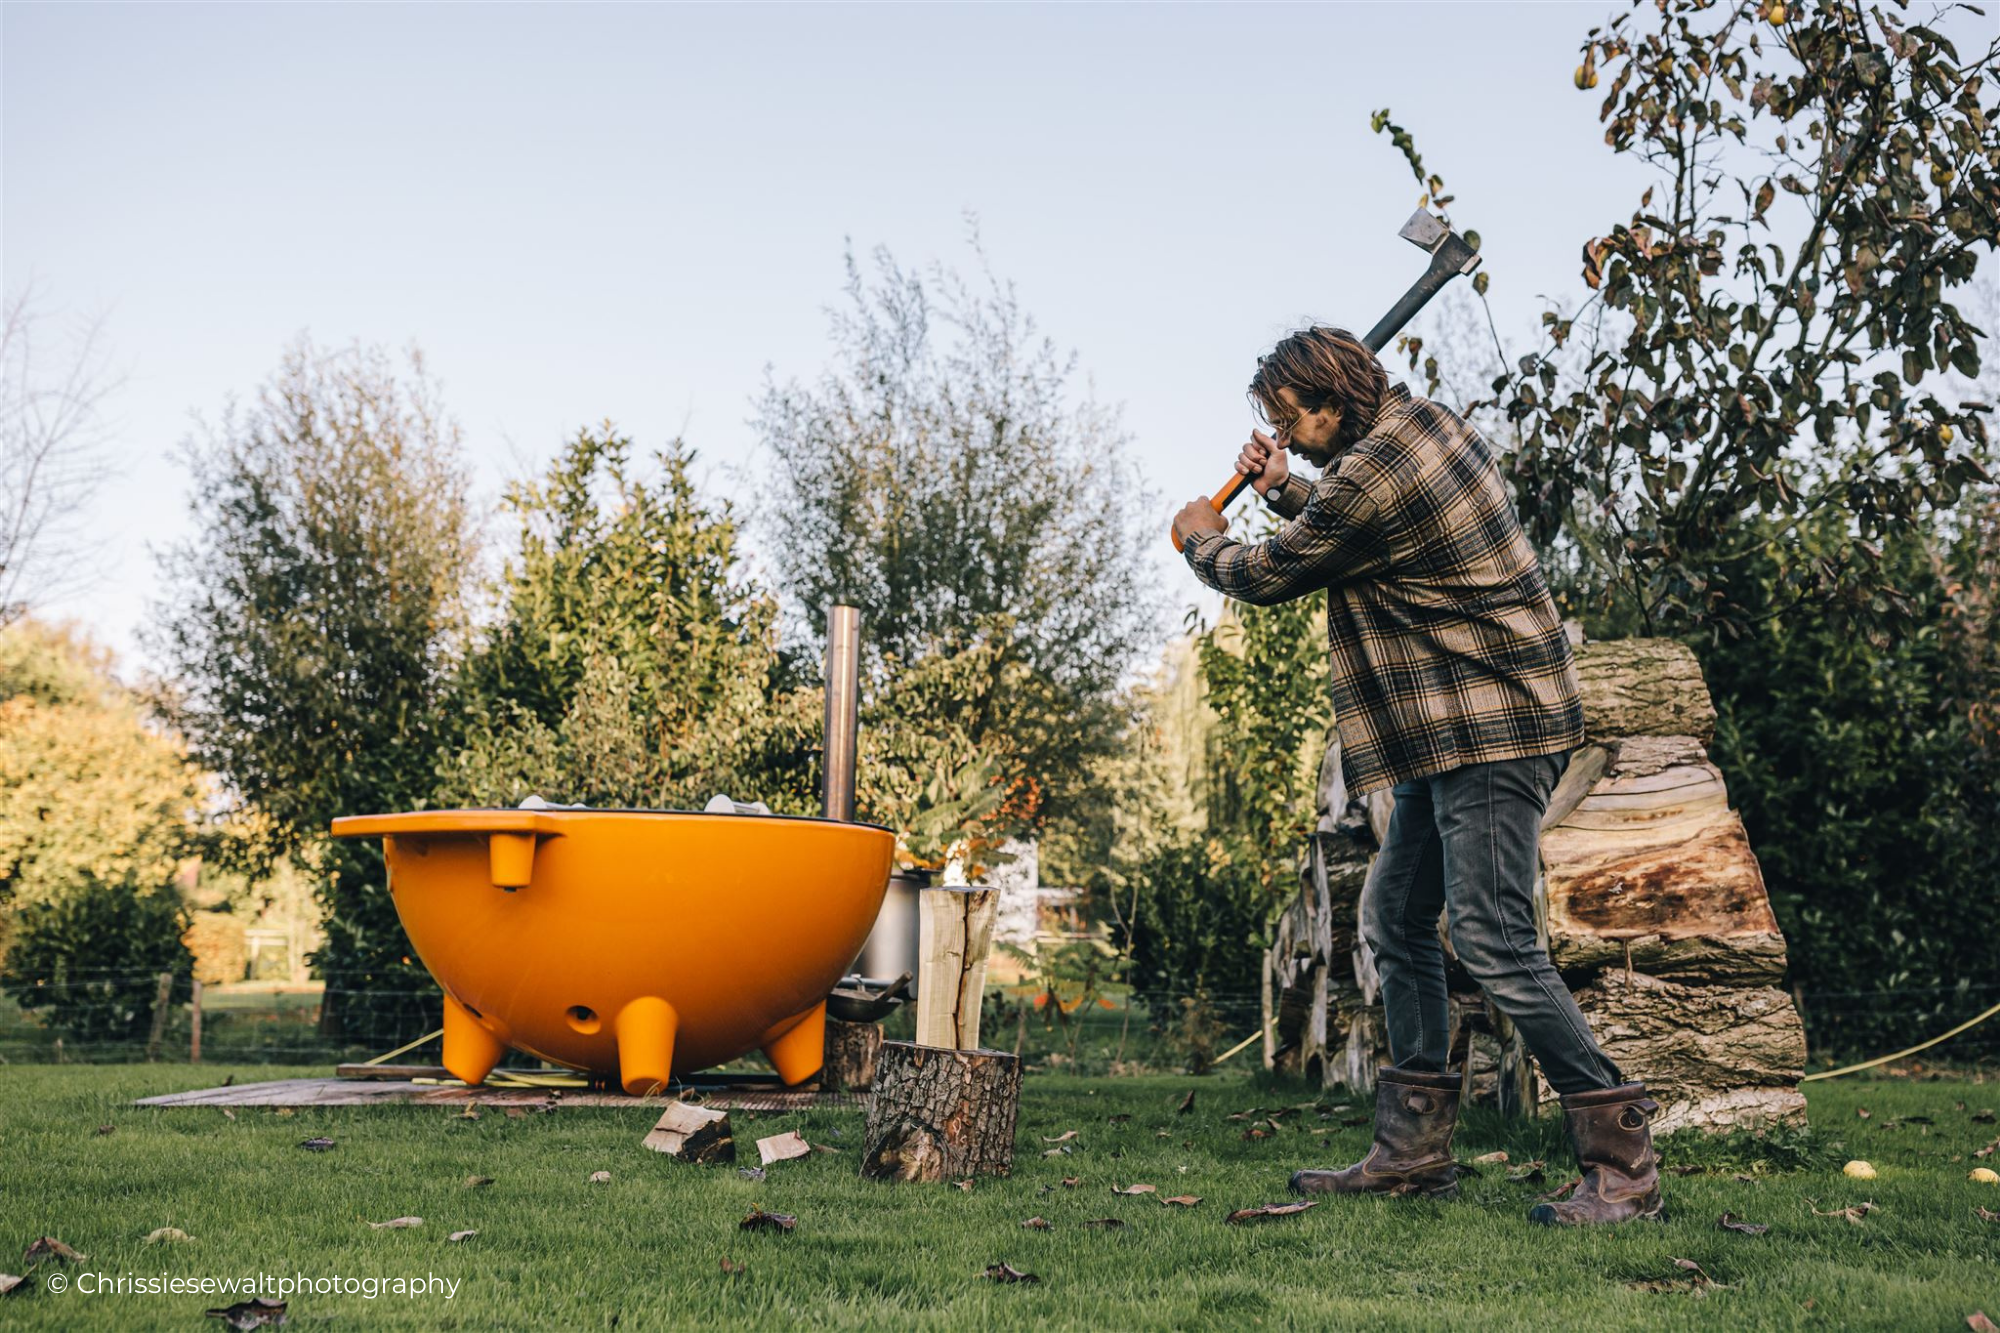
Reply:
x=797, y=1047
x=645, y=1029
x=470, y=1051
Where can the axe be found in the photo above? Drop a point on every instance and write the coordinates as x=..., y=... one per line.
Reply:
x=1450, y=256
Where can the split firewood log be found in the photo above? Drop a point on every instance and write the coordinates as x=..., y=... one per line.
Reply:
x=691, y=1133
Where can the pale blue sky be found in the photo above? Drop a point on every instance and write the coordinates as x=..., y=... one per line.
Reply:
x=629, y=211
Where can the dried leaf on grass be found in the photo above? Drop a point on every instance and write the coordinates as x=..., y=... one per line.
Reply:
x=102, y=1130
x=1696, y=1284
x=253, y=1313
x=1979, y=1323
x=600, y=1177
x=1118, y=1119
x=965, y=1184
x=1983, y=1116
x=13, y=1285
x=469, y=1113
x=1861, y=1113
x=1183, y=1200
x=317, y=1145
x=1187, y=1103
x=1071, y=1182
x=1987, y=1151
x=45, y=1248
x=1853, y=1214
x=168, y=1236
x=228, y=1113
x=478, y=1182
x=458, y=1236
x=1528, y=1173
x=1985, y=1216
x=1056, y=1152
x=1271, y=1210
x=1134, y=1189
x=1008, y=1273
x=397, y=1223
x=1109, y=1223
x=1063, y=1137
x=1731, y=1222
x=750, y=1172
x=1036, y=1224
x=759, y=1220
x=1490, y=1159
x=732, y=1267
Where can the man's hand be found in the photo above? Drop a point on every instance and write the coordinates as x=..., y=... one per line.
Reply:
x=1198, y=516
x=1263, y=462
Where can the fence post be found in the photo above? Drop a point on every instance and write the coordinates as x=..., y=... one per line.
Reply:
x=194, y=1025
x=159, y=1017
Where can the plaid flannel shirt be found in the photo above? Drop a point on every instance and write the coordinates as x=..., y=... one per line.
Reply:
x=1446, y=647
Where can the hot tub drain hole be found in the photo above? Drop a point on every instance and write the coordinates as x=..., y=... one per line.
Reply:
x=583, y=1018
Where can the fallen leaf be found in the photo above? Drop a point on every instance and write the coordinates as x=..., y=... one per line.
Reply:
x=1056, y=1152
x=1490, y=1159
x=1983, y=1116
x=253, y=1313
x=397, y=1223
x=228, y=1114
x=478, y=1182
x=1134, y=1189
x=600, y=1177
x=782, y=1147
x=1071, y=1182
x=731, y=1266
x=1036, y=1224
x=1110, y=1223
x=1118, y=1119
x=1979, y=1323
x=1742, y=1179
x=284, y=1113
x=12, y=1285
x=229, y=1082
x=1731, y=1222
x=1270, y=1210
x=167, y=1235
x=1187, y=1103
x=517, y=1112
x=750, y=1172
x=102, y=1130
x=965, y=1184
x=1183, y=1200
x=1063, y=1137
x=1561, y=1190
x=469, y=1113
x=1701, y=1278
x=1861, y=1113
x=1528, y=1173
x=48, y=1247
x=457, y=1236
x=1161, y=1134
x=1250, y=1135
x=1009, y=1273
x=1987, y=1151
x=1853, y=1214
x=317, y=1145
x=1985, y=1216
x=759, y=1220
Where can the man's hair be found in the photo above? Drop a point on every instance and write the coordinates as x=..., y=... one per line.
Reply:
x=1323, y=367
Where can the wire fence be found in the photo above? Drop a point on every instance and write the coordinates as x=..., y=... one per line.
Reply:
x=121, y=1016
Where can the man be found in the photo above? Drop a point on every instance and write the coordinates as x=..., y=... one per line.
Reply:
x=1453, y=684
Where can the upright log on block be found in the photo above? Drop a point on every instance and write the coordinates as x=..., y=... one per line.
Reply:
x=851, y=1052
x=955, y=934
x=940, y=1114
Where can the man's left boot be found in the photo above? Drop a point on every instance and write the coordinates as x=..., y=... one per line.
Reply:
x=1613, y=1135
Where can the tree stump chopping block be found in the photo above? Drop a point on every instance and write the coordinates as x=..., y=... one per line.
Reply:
x=941, y=1114
x=851, y=1052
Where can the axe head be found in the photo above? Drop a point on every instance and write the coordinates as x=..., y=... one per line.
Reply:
x=1432, y=236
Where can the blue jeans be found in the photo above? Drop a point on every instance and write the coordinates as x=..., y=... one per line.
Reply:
x=1470, y=840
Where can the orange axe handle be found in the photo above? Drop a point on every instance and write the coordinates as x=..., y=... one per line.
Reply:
x=1224, y=493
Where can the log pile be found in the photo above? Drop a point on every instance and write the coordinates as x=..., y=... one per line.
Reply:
x=1651, y=903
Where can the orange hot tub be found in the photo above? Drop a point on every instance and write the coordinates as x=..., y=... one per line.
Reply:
x=638, y=943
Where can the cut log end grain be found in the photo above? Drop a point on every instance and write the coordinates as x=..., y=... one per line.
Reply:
x=692, y=1134
x=941, y=1114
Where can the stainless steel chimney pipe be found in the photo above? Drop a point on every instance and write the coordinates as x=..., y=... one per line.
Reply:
x=843, y=705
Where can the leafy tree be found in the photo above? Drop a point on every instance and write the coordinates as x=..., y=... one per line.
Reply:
x=1852, y=754
x=87, y=959
x=1767, y=334
x=309, y=630
x=633, y=664
x=944, y=478
x=89, y=794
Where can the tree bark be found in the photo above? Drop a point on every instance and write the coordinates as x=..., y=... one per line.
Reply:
x=1643, y=687
x=941, y=1115
x=851, y=1052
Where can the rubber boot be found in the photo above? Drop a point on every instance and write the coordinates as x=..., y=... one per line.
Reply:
x=1613, y=1134
x=1415, y=1115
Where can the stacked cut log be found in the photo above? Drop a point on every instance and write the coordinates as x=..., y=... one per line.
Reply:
x=1651, y=904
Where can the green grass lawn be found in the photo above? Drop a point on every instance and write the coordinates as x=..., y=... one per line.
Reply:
x=645, y=1250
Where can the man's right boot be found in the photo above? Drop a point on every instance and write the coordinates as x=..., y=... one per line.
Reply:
x=1415, y=1115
